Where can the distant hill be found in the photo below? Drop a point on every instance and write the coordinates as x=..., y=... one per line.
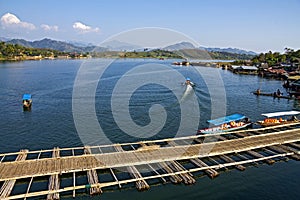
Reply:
x=54, y=44
x=193, y=54
x=230, y=56
x=4, y=39
x=231, y=50
x=188, y=45
x=201, y=54
x=80, y=44
x=184, y=49
x=116, y=45
x=179, y=46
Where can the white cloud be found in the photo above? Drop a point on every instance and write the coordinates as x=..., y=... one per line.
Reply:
x=84, y=28
x=11, y=21
x=49, y=28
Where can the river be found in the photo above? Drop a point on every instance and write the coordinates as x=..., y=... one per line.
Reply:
x=128, y=110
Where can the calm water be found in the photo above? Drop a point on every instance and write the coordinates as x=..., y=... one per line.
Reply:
x=51, y=122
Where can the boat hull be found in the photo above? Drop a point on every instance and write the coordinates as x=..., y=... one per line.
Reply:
x=262, y=123
x=271, y=95
x=214, y=130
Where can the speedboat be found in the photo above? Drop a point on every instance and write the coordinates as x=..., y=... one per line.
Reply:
x=278, y=118
x=189, y=82
x=226, y=124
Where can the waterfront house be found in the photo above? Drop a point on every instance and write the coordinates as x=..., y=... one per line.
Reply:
x=244, y=69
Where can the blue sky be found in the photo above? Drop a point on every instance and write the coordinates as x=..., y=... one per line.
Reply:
x=258, y=25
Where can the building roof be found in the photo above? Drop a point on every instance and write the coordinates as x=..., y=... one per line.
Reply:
x=294, y=78
x=226, y=119
x=245, y=67
x=278, y=114
x=248, y=67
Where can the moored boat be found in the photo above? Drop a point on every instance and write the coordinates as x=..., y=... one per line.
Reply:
x=27, y=101
x=274, y=94
x=226, y=124
x=278, y=118
x=183, y=63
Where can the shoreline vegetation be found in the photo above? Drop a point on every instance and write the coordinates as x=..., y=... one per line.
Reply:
x=289, y=60
x=17, y=52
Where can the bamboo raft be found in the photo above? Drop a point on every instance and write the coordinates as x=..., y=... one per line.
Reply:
x=167, y=160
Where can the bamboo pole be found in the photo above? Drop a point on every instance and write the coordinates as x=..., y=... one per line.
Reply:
x=228, y=159
x=209, y=171
x=140, y=184
x=74, y=185
x=92, y=176
x=292, y=126
x=2, y=158
x=8, y=185
x=28, y=188
x=115, y=177
x=258, y=155
x=54, y=179
x=155, y=171
x=102, y=185
x=164, y=154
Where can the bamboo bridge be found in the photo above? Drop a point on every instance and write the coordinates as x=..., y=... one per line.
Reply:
x=50, y=174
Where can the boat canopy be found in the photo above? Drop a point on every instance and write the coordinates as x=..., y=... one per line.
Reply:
x=278, y=114
x=26, y=96
x=294, y=78
x=226, y=119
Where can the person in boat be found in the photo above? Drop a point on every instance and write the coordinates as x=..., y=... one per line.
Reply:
x=280, y=120
x=233, y=124
x=224, y=126
x=278, y=93
x=189, y=82
x=294, y=118
x=26, y=102
x=287, y=85
x=258, y=91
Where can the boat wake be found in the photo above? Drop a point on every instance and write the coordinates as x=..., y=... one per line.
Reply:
x=188, y=91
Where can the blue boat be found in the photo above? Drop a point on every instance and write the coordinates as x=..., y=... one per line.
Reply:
x=27, y=101
x=226, y=124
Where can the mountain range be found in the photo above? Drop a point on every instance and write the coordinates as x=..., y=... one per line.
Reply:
x=113, y=45
x=55, y=45
x=231, y=50
x=188, y=45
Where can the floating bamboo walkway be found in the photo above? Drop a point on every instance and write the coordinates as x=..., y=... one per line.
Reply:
x=68, y=171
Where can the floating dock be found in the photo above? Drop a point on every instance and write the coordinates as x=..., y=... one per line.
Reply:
x=174, y=160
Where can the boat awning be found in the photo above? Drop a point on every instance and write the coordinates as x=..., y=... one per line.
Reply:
x=294, y=78
x=277, y=114
x=26, y=96
x=226, y=119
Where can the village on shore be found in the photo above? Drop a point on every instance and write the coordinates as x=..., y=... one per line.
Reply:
x=285, y=67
